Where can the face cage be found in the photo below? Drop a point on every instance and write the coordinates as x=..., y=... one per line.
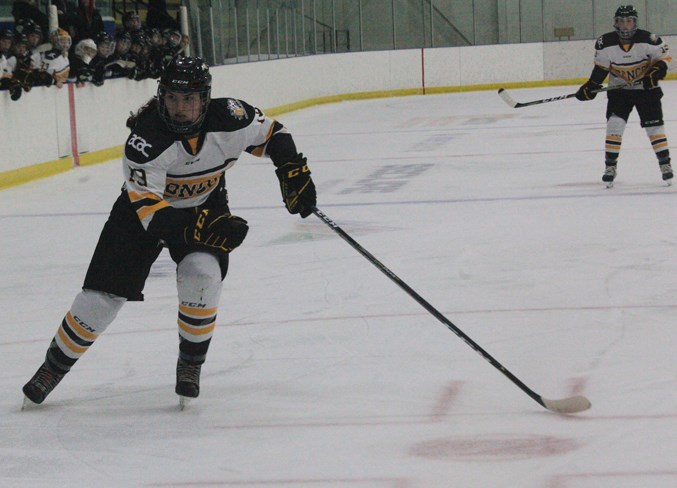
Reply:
x=105, y=48
x=63, y=44
x=185, y=128
x=625, y=35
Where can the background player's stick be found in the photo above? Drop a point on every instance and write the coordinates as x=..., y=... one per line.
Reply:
x=512, y=103
x=573, y=404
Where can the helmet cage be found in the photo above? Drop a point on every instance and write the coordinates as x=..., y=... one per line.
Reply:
x=625, y=12
x=185, y=75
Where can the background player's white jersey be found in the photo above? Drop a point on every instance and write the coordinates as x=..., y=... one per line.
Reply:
x=56, y=64
x=629, y=63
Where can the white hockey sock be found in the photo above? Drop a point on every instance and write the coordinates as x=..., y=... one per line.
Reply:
x=199, y=290
x=615, y=127
x=91, y=313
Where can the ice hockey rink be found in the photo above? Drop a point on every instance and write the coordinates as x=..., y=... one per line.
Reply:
x=322, y=372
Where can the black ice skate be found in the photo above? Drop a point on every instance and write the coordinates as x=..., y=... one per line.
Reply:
x=40, y=385
x=609, y=175
x=187, y=382
x=666, y=171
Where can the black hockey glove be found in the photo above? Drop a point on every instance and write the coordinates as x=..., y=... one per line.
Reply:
x=297, y=187
x=587, y=91
x=656, y=73
x=218, y=231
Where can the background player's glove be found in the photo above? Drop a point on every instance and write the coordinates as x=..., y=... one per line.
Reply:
x=587, y=90
x=297, y=187
x=656, y=72
x=219, y=231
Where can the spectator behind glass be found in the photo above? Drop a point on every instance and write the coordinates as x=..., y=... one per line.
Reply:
x=158, y=17
x=66, y=11
x=26, y=9
x=87, y=22
x=131, y=22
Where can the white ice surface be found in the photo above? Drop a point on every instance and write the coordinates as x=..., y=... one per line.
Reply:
x=322, y=372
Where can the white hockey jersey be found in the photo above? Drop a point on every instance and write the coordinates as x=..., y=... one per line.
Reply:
x=56, y=64
x=163, y=169
x=627, y=63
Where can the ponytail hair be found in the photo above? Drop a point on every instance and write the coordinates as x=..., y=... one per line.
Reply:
x=149, y=106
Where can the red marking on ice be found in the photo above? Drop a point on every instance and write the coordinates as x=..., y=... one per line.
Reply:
x=445, y=401
x=593, y=479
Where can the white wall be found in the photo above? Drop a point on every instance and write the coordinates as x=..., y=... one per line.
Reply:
x=36, y=128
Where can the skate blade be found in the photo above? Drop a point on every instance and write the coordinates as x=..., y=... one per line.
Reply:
x=27, y=404
x=610, y=184
x=183, y=402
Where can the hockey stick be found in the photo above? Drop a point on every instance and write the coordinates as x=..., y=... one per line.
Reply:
x=572, y=404
x=512, y=103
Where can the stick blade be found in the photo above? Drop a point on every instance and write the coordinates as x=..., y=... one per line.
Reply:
x=507, y=98
x=573, y=404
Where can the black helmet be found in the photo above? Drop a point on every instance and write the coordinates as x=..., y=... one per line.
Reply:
x=625, y=12
x=7, y=34
x=185, y=74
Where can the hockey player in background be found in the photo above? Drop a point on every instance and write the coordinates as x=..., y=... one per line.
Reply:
x=637, y=59
x=174, y=196
x=55, y=61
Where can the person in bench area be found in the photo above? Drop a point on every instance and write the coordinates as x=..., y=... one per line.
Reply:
x=181, y=143
x=636, y=59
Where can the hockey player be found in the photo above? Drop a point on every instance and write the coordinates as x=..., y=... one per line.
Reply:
x=180, y=146
x=19, y=66
x=6, y=40
x=33, y=35
x=126, y=69
x=55, y=61
x=99, y=64
x=637, y=59
x=80, y=70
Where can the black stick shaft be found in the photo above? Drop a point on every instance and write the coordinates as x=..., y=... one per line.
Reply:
x=570, y=95
x=433, y=311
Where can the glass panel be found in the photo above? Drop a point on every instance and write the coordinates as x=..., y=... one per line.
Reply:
x=227, y=31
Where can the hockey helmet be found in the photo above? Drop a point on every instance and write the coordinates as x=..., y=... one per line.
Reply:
x=172, y=37
x=7, y=34
x=60, y=39
x=185, y=74
x=625, y=12
x=20, y=46
x=104, y=43
x=86, y=50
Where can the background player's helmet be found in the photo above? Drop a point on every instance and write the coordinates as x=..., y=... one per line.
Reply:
x=20, y=46
x=61, y=40
x=185, y=75
x=625, y=12
x=86, y=50
x=104, y=43
x=31, y=29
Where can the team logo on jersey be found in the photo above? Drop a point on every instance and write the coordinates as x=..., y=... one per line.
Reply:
x=138, y=143
x=260, y=116
x=236, y=109
x=190, y=188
